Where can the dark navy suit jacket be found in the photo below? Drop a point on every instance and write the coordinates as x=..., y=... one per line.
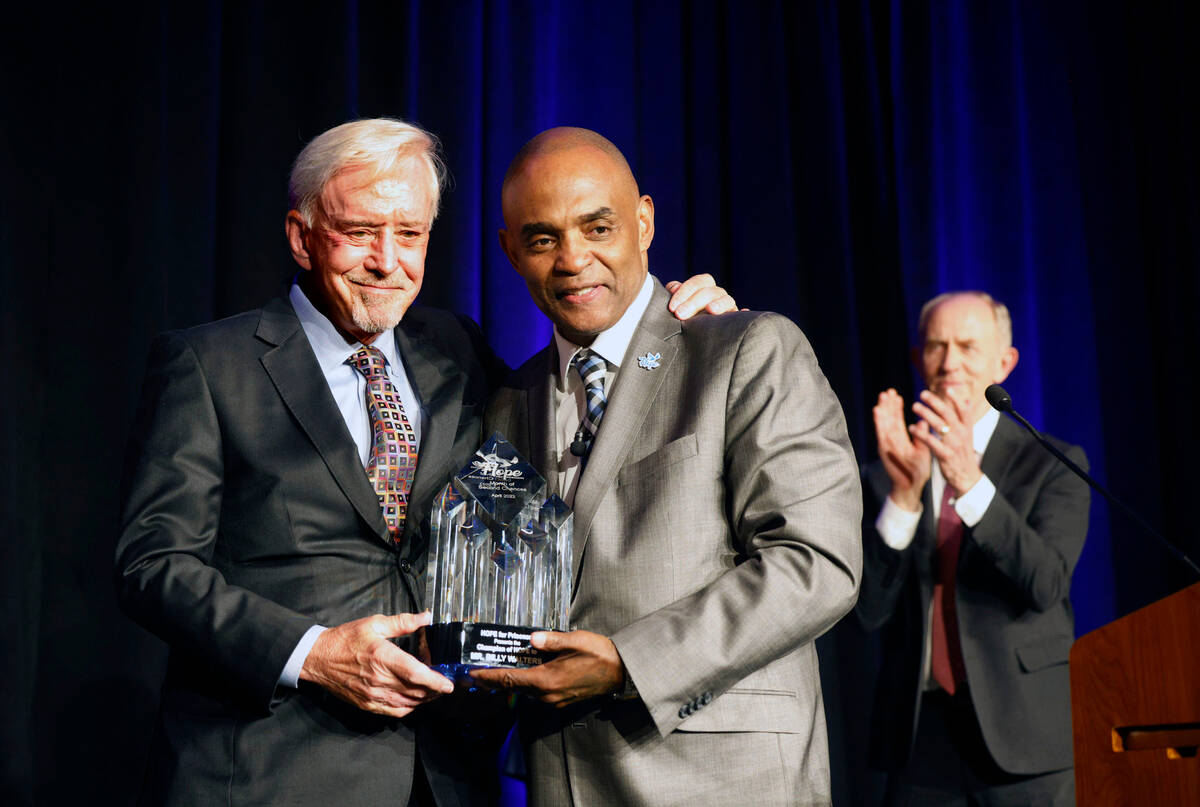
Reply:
x=248, y=519
x=1014, y=611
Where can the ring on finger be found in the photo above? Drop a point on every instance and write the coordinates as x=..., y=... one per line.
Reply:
x=944, y=430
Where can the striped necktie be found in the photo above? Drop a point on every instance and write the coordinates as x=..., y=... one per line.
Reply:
x=591, y=367
x=393, y=458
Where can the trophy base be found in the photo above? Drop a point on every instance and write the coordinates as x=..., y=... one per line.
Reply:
x=456, y=648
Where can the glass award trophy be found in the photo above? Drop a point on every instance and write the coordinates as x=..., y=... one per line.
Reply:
x=499, y=563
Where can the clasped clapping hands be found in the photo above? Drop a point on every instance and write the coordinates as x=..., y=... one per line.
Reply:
x=944, y=432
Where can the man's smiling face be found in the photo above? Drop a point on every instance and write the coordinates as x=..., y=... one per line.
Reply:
x=365, y=249
x=577, y=231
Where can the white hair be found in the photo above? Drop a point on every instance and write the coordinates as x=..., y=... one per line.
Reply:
x=378, y=144
x=999, y=311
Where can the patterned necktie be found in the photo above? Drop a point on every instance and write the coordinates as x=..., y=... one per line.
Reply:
x=948, y=668
x=393, y=456
x=591, y=367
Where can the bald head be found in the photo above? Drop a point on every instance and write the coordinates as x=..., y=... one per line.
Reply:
x=576, y=229
x=564, y=138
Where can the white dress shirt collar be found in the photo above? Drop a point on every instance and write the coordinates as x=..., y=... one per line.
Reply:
x=612, y=343
x=328, y=343
x=985, y=427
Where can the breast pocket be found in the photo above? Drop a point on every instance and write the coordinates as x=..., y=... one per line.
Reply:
x=653, y=465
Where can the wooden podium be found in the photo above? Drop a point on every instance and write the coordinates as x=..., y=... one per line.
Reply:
x=1135, y=704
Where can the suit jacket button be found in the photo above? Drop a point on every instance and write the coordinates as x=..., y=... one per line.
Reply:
x=405, y=566
x=684, y=711
x=706, y=699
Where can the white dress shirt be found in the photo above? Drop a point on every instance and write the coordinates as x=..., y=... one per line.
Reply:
x=569, y=393
x=349, y=389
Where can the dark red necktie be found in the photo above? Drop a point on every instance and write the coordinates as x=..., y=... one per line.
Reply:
x=948, y=668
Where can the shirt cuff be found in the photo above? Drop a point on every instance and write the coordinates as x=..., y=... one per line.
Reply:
x=290, y=677
x=897, y=526
x=974, y=503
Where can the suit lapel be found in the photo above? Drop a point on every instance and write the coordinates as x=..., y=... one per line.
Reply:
x=926, y=539
x=996, y=464
x=297, y=377
x=541, y=425
x=632, y=395
x=439, y=388
x=1000, y=451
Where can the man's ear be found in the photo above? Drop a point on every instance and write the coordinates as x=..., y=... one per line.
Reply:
x=645, y=217
x=1008, y=360
x=502, y=235
x=297, y=233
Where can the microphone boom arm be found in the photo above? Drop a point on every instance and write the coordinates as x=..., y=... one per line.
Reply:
x=1000, y=400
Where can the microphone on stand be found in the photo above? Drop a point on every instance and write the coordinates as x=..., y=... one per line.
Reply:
x=1002, y=402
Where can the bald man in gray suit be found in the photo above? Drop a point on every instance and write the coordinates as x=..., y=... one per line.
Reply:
x=716, y=503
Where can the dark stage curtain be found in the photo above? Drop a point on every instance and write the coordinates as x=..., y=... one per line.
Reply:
x=837, y=162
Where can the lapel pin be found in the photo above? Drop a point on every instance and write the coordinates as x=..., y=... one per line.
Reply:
x=649, y=361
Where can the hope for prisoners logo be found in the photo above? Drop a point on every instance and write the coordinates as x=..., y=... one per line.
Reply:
x=494, y=466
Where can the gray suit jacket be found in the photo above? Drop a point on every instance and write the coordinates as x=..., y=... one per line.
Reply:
x=248, y=518
x=716, y=536
x=1014, y=607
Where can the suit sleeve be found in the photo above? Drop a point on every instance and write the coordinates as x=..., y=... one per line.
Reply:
x=1037, y=552
x=793, y=502
x=165, y=576
x=884, y=569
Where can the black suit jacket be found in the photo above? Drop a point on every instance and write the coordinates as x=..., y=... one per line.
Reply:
x=1014, y=612
x=248, y=519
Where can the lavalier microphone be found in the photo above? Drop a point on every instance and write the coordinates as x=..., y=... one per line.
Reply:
x=578, y=445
